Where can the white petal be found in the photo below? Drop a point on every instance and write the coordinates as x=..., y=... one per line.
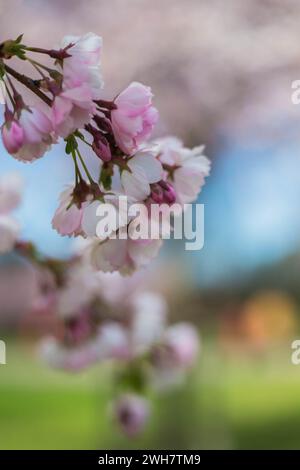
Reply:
x=146, y=162
x=135, y=184
x=89, y=219
x=143, y=251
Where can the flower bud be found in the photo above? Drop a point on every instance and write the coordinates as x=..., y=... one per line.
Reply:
x=168, y=192
x=157, y=194
x=12, y=136
x=101, y=147
x=131, y=412
x=103, y=123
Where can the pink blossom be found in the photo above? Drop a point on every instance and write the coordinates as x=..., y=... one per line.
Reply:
x=84, y=64
x=109, y=342
x=70, y=219
x=134, y=117
x=131, y=412
x=10, y=192
x=82, y=83
x=126, y=341
x=189, y=167
x=114, y=341
x=144, y=169
x=37, y=128
x=80, y=287
x=86, y=49
x=182, y=345
x=67, y=218
x=9, y=232
x=73, y=359
x=125, y=256
x=91, y=218
x=12, y=136
x=72, y=109
x=116, y=290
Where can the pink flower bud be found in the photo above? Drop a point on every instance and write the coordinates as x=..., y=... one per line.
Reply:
x=13, y=136
x=29, y=137
x=101, y=147
x=131, y=412
x=169, y=193
x=157, y=194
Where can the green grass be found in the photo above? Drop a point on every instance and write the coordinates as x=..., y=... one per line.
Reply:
x=246, y=402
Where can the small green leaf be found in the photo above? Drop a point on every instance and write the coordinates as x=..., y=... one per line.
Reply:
x=19, y=38
x=105, y=179
x=71, y=144
x=68, y=148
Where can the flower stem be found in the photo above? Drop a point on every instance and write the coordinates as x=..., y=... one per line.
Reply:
x=77, y=170
x=44, y=67
x=37, y=67
x=81, y=137
x=9, y=94
x=54, y=54
x=84, y=166
x=29, y=83
x=38, y=49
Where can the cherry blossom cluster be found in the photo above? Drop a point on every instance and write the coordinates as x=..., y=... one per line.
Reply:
x=98, y=314
x=101, y=317
x=107, y=318
x=69, y=104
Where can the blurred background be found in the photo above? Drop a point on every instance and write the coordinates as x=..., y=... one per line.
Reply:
x=221, y=73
